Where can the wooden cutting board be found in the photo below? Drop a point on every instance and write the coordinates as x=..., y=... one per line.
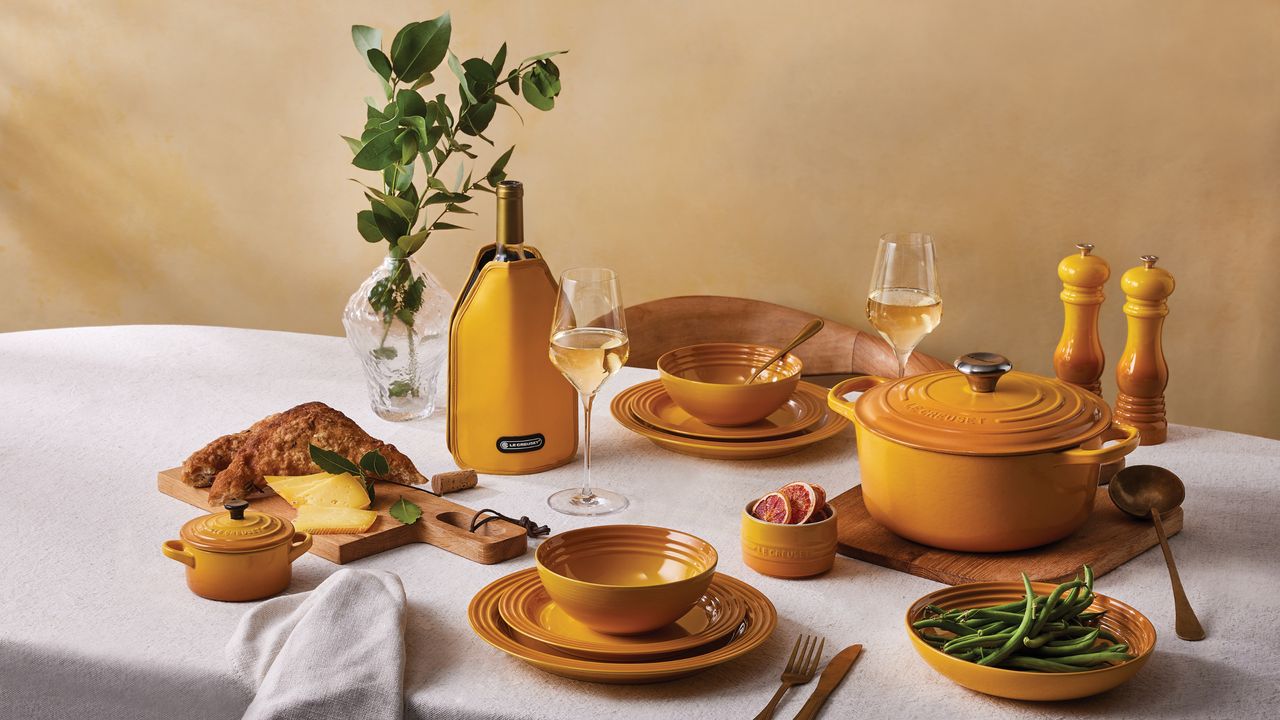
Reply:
x=1108, y=540
x=443, y=523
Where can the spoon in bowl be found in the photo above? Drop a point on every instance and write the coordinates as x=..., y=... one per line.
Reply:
x=1148, y=491
x=810, y=329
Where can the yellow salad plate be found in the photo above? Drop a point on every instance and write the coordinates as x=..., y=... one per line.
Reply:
x=530, y=612
x=830, y=425
x=1126, y=623
x=759, y=622
x=654, y=407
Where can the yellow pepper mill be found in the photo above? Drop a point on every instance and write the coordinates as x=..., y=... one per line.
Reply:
x=1142, y=374
x=1078, y=358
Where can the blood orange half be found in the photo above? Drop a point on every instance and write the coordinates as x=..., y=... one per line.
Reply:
x=804, y=501
x=774, y=508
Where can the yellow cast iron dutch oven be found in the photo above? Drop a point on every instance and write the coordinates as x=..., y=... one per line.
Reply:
x=980, y=459
x=239, y=554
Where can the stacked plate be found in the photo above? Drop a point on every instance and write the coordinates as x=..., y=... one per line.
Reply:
x=646, y=409
x=516, y=615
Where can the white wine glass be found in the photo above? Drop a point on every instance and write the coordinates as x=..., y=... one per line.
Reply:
x=905, y=301
x=588, y=345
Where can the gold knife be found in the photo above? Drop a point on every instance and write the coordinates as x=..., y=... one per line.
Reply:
x=831, y=677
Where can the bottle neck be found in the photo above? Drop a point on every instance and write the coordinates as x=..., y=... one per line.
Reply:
x=510, y=237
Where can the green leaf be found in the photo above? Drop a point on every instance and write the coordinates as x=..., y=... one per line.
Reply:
x=408, y=142
x=424, y=81
x=378, y=152
x=420, y=47
x=367, y=226
x=386, y=352
x=457, y=181
x=499, y=59
x=332, y=462
x=533, y=94
x=352, y=143
x=481, y=76
x=410, y=243
x=435, y=183
x=446, y=198
x=459, y=209
x=543, y=56
x=411, y=103
x=440, y=225
x=463, y=86
x=401, y=388
x=366, y=39
x=405, y=317
x=513, y=81
x=503, y=101
x=399, y=177
x=380, y=64
x=374, y=464
x=405, y=511
x=399, y=206
x=497, y=173
x=389, y=223
x=477, y=118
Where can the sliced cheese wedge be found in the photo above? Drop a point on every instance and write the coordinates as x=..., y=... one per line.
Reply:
x=291, y=488
x=321, y=520
x=338, y=491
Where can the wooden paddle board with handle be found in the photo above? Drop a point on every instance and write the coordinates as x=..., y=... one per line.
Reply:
x=444, y=524
x=1108, y=540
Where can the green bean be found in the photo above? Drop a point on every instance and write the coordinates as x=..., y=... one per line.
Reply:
x=1073, y=648
x=1022, y=662
x=945, y=624
x=1016, y=639
x=1000, y=615
x=1039, y=640
x=970, y=641
x=1049, y=605
x=1094, y=658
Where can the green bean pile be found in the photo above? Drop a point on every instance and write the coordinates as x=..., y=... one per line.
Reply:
x=1051, y=633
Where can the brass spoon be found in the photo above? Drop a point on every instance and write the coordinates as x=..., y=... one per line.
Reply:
x=1148, y=491
x=810, y=329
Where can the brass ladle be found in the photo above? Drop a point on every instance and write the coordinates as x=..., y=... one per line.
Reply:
x=810, y=329
x=1148, y=491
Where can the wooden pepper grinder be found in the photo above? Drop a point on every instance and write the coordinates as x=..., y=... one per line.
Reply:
x=1142, y=373
x=1079, y=359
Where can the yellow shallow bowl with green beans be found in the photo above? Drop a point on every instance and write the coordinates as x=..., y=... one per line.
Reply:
x=1126, y=624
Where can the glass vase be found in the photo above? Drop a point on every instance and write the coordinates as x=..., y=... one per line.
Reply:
x=403, y=349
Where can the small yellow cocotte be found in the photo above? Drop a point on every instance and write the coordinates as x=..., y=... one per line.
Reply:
x=320, y=519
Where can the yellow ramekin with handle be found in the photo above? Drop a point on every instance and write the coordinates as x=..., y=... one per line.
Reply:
x=239, y=554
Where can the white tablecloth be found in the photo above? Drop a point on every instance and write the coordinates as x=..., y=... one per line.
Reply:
x=95, y=623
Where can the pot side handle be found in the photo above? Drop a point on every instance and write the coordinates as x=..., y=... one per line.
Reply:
x=175, y=550
x=1128, y=436
x=301, y=543
x=835, y=398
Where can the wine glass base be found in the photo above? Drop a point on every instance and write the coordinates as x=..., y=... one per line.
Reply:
x=599, y=502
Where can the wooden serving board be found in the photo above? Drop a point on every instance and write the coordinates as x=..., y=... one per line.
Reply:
x=443, y=524
x=1108, y=540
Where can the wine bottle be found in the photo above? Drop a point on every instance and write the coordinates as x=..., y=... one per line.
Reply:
x=509, y=245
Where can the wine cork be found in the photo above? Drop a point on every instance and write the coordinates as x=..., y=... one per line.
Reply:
x=447, y=482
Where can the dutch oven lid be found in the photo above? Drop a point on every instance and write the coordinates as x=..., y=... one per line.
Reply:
x=982, y=408
x=237, y=530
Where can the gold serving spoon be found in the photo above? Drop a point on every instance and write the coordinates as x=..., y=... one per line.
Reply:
x=1148, y=491
x=810, y=329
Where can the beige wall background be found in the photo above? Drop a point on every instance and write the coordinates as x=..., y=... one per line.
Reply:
x=179, y=162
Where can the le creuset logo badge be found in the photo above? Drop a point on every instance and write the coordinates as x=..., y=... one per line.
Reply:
x=522, y=443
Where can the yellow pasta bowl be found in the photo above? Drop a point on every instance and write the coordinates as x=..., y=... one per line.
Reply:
x=625, y=579
x=1131, y=626
x=708, y=381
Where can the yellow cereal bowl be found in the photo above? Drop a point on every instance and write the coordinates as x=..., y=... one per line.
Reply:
x=1131, y=626
x=789, y=551
x=625, y=579
x=707, y=381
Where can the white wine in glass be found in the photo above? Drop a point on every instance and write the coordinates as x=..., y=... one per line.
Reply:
x=588, y=345
x=905, y=301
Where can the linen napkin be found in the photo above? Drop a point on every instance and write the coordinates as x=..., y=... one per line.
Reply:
x=334, y=652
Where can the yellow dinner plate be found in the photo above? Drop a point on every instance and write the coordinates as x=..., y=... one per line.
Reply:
x=531, y=613
x=486, y=620
x=653, y=406
x=830, y=425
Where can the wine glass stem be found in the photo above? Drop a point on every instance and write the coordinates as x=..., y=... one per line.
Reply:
x=586, y=447
x=902, y=362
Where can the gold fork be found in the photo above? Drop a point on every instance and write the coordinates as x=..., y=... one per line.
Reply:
x=799, y=670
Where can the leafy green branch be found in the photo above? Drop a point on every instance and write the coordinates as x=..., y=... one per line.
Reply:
x=408, y=134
